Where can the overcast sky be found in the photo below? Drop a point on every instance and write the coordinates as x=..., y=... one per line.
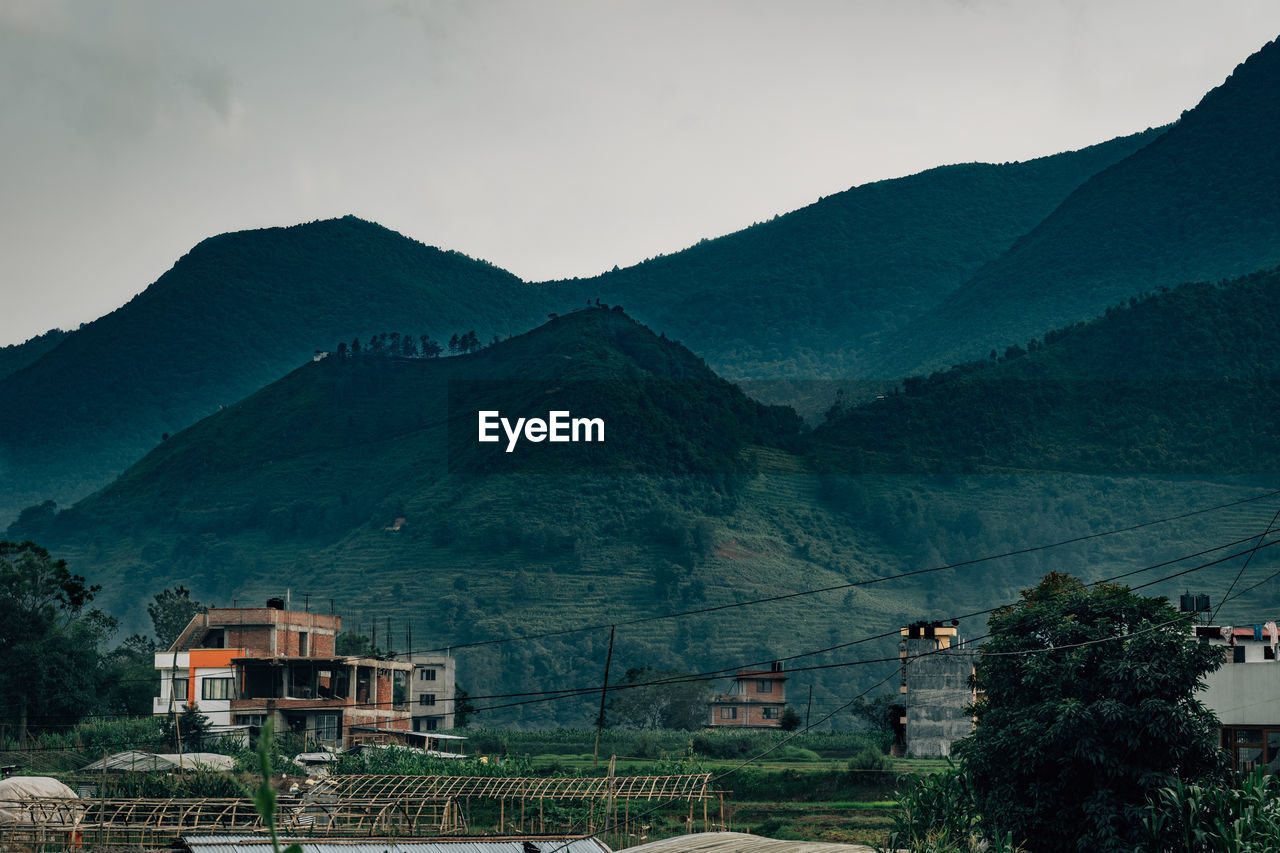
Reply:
x=552, y=138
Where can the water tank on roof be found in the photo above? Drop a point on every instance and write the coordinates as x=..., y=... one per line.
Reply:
x=275, y=603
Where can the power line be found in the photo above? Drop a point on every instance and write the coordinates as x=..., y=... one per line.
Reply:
x=1214, y=616
x=536, y=697
x=914, y=572
x=853, y=584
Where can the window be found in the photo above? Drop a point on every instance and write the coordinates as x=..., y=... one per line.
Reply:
x=426, y=675
x=426, y=724
x=250, y=719
x=1251, y=747
x=427, y=699
x=764, y=686
x=771, y=713
x=327, y=728
x=400, y=689
x=730, y=713
x=304, y=644
x=180, y=687
x=216, y=688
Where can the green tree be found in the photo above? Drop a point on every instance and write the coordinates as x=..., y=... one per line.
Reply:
x=170, y=613
x=49, y=640
x=640, y=704
x=192, y=727
x=878, y=714
x=358, y=645
x=128, y=682
x=463, y=708
x=1089, y=709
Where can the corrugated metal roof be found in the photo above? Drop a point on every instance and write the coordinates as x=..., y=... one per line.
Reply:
x=254, y=843
x=742, y=842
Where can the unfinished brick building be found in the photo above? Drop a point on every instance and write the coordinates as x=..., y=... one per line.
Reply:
x=240, y=665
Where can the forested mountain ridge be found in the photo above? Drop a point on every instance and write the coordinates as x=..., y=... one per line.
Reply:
x=17, y=356
x=804, y=295
x=343, y=480
x=241, y=309
x=1202, y=201
x=1186, y=381
x=234, y=314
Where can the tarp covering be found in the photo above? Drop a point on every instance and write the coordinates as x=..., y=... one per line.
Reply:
x=148, y=762
x=17, y=789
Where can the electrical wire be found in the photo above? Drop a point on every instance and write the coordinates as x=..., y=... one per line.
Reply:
x=535, y=697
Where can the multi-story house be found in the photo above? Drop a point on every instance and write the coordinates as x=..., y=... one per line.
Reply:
x=1244, y=693
x=431, y=692
x=755, y=699
x=241, y=665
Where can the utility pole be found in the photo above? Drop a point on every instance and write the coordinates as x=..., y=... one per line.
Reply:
x=595, y=757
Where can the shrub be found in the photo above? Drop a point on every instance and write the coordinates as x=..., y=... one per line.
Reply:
x=938, y=814
x=1216, y=818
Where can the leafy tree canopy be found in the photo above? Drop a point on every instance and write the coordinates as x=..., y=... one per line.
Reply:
x=674, y=705
x=170, y=613
x=1089, y=710
x=49, y=642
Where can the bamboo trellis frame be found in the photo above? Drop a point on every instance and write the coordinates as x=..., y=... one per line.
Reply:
x=355, y=806
x=154, y=821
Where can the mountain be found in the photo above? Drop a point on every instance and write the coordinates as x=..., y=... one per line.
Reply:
x=806, y=294
x=795, y=296
x=1186, y=381
x=1202, y=201
x=17, y=356
x=361, y=480
x=234, y=314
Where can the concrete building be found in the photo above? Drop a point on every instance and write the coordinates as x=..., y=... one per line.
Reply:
x=239, y=666
x=1244, y=693
x=755, y=699
x=431, y=692
x=936, y=692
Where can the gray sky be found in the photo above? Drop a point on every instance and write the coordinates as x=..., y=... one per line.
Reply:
x=552, y=138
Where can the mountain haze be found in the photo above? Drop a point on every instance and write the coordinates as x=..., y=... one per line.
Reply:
x=343, y=480
x=794, y=296
x=1184, y=382
x=880, y=281
x=1202, y=201
x=232, y=315
x=805, y=294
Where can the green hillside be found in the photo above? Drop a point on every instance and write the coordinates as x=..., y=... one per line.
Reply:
x=706, y=502
x=1200, y=202
x=234, y=314
x=806, y=294
x=797, y=296
x=1184, y=382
